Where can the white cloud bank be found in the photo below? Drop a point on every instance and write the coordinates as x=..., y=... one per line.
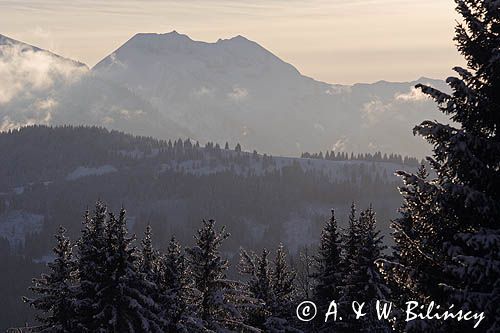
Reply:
x=29, y=78
x=25, y=70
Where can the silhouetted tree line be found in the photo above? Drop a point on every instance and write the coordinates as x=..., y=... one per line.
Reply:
x=375, y=157
x=40, y=153
x=106, y=282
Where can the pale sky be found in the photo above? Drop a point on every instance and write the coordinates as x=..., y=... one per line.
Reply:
x=336, y=41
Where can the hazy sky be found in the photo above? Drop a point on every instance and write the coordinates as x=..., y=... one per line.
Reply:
x=337, y=41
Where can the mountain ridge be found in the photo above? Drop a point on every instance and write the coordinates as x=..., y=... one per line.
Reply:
x=229, y=90
x=5, y=40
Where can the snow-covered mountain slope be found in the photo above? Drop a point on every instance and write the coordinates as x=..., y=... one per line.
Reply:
x=236, y=90
x=40, y=87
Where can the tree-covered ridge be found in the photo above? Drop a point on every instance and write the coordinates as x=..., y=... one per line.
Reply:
x=36, y=154
x=375, y=157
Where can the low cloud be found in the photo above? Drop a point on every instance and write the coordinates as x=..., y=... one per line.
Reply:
x=338, y=90
x=203, y=92
x=238, y=94
x=29, y=79
x=341, y=144
x=46, y=104
x=24, y=70
x=403, y=107
x=415, y=95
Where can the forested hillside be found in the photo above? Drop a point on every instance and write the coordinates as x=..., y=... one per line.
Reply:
x=50, y=175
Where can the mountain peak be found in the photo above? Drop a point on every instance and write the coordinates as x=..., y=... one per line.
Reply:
x=156, y=37
x=175, y=48
x=237, y=39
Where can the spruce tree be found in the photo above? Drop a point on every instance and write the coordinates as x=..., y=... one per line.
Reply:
x=149, y=256
x=282, y=280
x=125, y=302
x=374, y=287
x=465, y=195
x=417, y=260
x=259, y=286
x=272, y=287
x=218, y=296
x=304, y=269
x=352, y=279
x=55, y=290
x=175, y=290
x=362, y=280
x=91, y=262
x=351, y=238
x=284, y=293
x=114, y=296
x=328, y=274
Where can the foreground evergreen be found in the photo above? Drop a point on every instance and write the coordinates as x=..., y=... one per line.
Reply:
x=448, y=237
x=55, y=290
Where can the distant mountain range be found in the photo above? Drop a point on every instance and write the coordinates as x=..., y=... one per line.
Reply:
x=168, y=86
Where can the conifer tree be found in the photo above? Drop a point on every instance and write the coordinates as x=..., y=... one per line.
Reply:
x=126, y=302
x=149, y=257
x=305, y=273
x=259, y=286
x=272, y=288
x=374, y=287
x=218, y=296
x=328, y=274
x=465, y=196
x=55, y=290
x=175, y=289
x=363, y=282
x=416, y=263
x=284, y=292
x=352, y=279
x=91, y=265
x=114, y=296
x=282, y=280
x=351, y=240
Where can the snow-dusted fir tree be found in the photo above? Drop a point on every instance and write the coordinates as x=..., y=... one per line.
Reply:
x=351, y=243
x=117, y=298
x=466, y=158
x=218, y=298
x=148, y=263
x=272, y=289
x=362, y=280
x=258, y=285
x=417, y=260
x=304, y=268
x=175, y=290
x=55, y=290
x=328, y=270
x=351, y=238
x=91, y=263
x=125, y=302
x=284, y=292
x=374, y=287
